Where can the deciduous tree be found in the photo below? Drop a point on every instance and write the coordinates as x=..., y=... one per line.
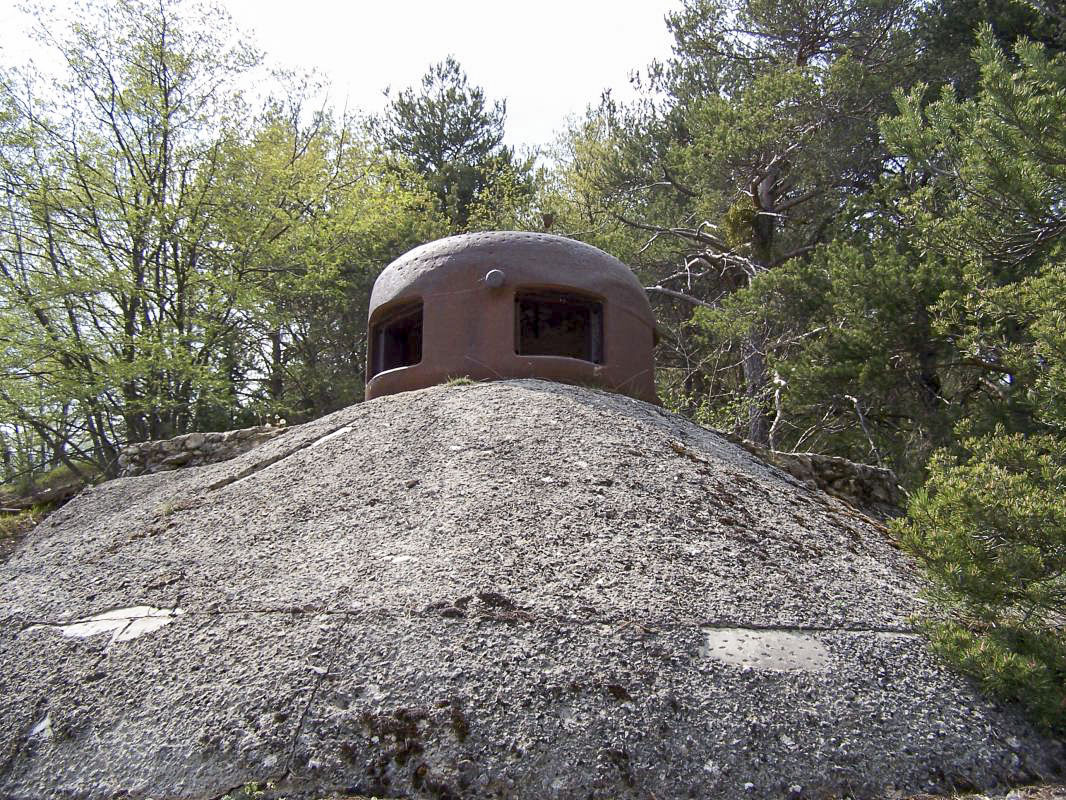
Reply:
x=172, y=258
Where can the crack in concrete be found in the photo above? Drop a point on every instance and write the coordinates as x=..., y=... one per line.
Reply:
x=335, y=651
x=618, y=624
x=259, y=466
x=748, y=626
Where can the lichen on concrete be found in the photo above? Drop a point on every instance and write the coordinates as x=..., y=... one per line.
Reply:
x=517, y=589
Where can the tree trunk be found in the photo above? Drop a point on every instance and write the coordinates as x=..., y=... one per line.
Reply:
x=755, y=382
x=277, y=375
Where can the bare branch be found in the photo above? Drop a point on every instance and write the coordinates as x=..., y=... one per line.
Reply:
x=679, y=295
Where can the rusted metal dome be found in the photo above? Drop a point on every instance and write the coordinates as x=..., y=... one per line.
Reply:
x=510, y=305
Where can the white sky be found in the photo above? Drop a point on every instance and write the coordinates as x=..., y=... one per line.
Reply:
x=547, y=58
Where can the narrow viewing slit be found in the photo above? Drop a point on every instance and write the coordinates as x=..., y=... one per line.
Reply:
x=559, y=324
x=397, y=339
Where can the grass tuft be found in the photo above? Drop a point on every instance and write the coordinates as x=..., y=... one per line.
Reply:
x=460, y=380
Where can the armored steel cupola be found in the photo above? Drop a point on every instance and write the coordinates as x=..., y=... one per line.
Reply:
x=502, y=305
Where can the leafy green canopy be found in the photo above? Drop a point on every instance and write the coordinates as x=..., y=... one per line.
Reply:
x=861, y=356
x=946, y=33
x=172, y=259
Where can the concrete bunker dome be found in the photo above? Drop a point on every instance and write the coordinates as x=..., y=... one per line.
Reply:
x=511, y=304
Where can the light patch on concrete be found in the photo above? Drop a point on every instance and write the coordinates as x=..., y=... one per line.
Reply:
x=765, y=649
x=123, y=624
x=43, y=728
x=328, y=436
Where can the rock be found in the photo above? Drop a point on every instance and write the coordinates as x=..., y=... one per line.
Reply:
x=870, y=489
x=193, y=441
x=488, y=635
x=197, y=449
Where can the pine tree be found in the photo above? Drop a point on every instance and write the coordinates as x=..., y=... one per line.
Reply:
x=990, y=524
x=454, y=140
x=768, y=127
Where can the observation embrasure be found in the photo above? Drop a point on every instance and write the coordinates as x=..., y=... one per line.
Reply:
x=558, y=324
x=396, y=341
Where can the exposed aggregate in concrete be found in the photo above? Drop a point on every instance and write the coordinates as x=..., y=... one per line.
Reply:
x=518, y=589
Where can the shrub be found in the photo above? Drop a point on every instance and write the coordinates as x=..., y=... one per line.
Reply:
x=990, y=529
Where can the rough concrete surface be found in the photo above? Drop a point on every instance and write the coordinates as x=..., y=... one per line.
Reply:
x=517, y=589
